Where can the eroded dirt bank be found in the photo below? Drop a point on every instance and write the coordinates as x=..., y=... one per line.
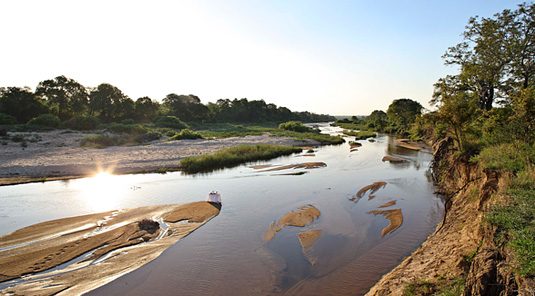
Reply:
x=462, y=250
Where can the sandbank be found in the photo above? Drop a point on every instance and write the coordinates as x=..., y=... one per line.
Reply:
x=394, y=216
x=393, y=159
x=74, y=255
x=406, y=144
x=58, y=155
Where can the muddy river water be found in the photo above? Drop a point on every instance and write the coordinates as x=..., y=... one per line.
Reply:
x=343, y=249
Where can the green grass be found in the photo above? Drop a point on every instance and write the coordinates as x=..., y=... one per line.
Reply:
x=516, y=221
x=186, y=134
x=361, y=135
x=227, y=130
x=321, y=138
x=235, y=155
x=507, y=156
x=440, y=287
x=351, y=126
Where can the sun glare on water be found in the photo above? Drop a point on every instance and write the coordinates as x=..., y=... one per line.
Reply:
x=101, y=192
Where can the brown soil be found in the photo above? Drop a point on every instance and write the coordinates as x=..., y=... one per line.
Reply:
x=388, y=204
x=406, y=144
x=128, y=240
x=355, y=145
x=393, y=159
x=372, y=188
x=444, y=257
x=394, y=216
x=304, y=216
x=309, y=238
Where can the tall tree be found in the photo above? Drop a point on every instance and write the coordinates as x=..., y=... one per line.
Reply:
x=187, y=108
x=403, y=112
x=146, y=108
x=108, y=102
x=65, y=95
x=498, y=54
x=21, y=103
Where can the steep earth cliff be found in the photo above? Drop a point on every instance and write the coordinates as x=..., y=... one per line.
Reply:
x=461, y=256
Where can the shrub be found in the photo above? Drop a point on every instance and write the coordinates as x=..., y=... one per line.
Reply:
x=186, y=134
x=102, y=141
x=83, y=122
x=7, y=119
x=128, y=121
x=170, y=133
x=170, y=121
x=148, y=137
x=17, y=138
x=295, y=126
x=48, y=120
x=134, y=129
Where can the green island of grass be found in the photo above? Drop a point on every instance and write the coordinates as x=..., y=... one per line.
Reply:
x=235, y=155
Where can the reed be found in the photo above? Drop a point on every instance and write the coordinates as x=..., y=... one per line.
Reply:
x=235, y=155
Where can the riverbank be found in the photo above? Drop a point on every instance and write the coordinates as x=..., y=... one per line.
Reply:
x=461, y=256
x=57, y=155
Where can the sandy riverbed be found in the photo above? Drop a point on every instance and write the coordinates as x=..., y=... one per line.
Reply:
x=57, y=154
x=74, y=255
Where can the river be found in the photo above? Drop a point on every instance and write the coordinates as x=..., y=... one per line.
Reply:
x=228, y=255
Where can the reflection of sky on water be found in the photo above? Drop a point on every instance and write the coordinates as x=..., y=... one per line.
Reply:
x=252, y=200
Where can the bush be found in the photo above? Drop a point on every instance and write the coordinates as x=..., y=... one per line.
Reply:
x=186, y=134
x=102, y=141
x=148, y=137
x=6, y=119
x=83, y=123
x=48, y=120
x=128, y=121
x=295, y=126
x=170, y=122
x=134, y=129
x=17, y=138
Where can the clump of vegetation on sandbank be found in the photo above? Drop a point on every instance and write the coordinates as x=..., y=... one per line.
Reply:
x=235, y=155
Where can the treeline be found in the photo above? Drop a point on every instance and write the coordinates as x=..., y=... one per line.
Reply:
x=400, y=118
x=66, y=100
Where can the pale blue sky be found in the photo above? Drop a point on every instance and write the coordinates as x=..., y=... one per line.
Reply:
x=336, y=57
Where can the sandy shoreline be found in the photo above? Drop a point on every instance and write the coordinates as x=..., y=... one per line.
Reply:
x=58, y=155
x=74, y=255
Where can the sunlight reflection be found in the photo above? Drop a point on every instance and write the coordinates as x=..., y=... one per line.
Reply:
x=102, y=192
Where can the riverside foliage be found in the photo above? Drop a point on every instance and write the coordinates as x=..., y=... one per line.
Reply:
x=65, y=99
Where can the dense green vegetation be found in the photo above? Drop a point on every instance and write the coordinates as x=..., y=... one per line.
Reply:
x=66, y=99
x=488, y=108
x=400, y=118
x=234, y=156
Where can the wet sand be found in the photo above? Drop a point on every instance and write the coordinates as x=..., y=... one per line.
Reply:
x=405, y=143
x=92, y=250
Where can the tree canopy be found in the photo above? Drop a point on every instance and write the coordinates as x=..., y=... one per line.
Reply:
x=497, y=55
x=67, y=99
